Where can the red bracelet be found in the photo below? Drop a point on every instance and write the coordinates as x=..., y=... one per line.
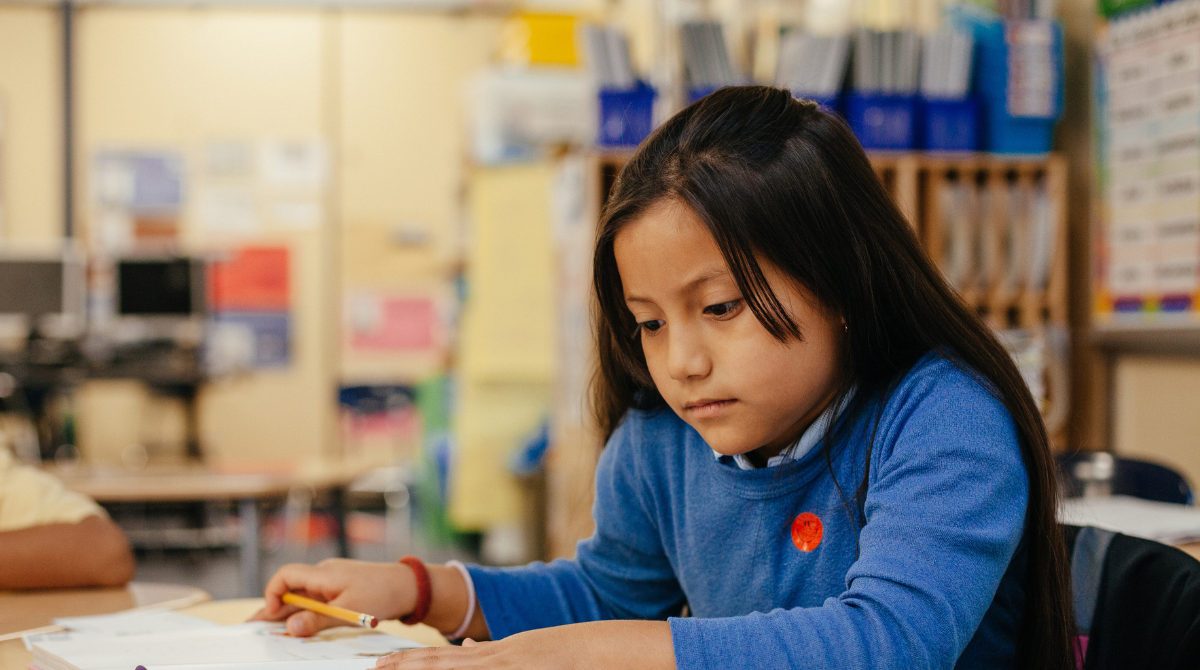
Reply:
x=424, y=592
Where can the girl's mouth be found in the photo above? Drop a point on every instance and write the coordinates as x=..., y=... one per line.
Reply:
x=707, y=409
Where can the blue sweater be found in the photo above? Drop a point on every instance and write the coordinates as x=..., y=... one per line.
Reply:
x=934, y=584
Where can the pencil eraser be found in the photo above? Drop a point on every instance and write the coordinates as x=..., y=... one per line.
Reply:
x=374, y=622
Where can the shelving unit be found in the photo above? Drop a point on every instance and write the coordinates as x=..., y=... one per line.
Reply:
x=915, y=181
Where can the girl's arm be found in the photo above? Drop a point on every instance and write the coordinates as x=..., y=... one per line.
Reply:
x=389, y=591
x=385, y=590
x=92, y=552
x=606, y=645
x=945, y=515
x=620, y=572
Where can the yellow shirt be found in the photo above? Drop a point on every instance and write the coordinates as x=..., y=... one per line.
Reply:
x=30, y=497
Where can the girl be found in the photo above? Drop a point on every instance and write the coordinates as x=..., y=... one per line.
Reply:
x=813, y=446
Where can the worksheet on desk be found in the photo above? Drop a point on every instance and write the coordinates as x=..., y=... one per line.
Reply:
x=251, y=643
x=136, y=622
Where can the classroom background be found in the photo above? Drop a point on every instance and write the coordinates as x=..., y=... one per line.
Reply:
x=285, y=280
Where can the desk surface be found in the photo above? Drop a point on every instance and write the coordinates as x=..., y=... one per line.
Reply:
x=24, y=610
x=198, y=483
x=183, y=486
x=14, y=656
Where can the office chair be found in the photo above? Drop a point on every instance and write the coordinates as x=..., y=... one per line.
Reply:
x=1082, y=470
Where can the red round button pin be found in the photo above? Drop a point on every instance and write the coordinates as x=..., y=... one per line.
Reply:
x=807, y=531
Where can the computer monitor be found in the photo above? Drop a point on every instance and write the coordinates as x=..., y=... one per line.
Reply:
x=160, y=287
x=31, y=287
x=47, y=291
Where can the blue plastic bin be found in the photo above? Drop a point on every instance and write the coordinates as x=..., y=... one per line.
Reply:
x=697, y=92
x=1008, y=134
x=626, y=116
x=1002, y=132
x=883, y=121
x=950, y=125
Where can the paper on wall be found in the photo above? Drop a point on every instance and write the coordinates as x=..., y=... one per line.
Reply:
x=228, y=210
x=229, y=159
x=294, y=165
x=508, y=329
x=297, y=214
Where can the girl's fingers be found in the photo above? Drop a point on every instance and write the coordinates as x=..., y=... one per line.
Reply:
x=292, y=577
x=306, y=624
x=278, y=615
x=432, y=658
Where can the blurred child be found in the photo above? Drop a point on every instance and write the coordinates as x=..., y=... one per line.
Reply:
x=52, y=537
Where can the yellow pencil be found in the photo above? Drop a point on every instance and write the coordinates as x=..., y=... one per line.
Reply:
x=331, y=610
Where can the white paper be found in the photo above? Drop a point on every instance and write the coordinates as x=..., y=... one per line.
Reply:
x=1161, y=522
x=240, y=645
x=229, y=210
x=229, y=160
x=350, y=664
x=134, y=623
x=298, y=214
x=294, y=165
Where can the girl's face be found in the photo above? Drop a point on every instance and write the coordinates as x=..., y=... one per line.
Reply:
x=710, y=358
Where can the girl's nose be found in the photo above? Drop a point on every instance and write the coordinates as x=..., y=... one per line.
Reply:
x=687, y=357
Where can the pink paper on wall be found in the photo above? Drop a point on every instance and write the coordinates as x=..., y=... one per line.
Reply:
x=391, y=323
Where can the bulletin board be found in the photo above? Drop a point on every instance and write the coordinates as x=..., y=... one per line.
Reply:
x=1147, y=246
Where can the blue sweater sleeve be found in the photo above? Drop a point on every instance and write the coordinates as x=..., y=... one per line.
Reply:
x=945, y=511
x=620, y=572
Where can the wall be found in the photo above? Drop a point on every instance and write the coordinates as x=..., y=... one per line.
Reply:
x=1156, y=411
x=401, y=171
x=31, y=195
x=176, y=79
x=382, y=89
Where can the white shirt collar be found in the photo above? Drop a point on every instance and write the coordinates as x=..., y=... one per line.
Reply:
x=812, y=435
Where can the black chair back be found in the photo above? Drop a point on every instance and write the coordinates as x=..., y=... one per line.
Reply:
x=1137, y=601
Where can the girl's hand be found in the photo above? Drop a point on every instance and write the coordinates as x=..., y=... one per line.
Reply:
x=385, y=590
x=644, y=645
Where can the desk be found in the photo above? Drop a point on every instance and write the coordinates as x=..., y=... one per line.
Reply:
x=193, y=485
x=1192, y=549
x=197, y=484
x=25, y=610
x=14, y=656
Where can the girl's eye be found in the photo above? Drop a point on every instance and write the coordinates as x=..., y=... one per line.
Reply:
x=724, y=308
x=649, y=327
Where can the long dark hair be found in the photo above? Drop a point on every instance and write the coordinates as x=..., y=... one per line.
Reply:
x=775, y=176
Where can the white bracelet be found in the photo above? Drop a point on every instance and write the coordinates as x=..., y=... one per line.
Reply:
x=462, y=630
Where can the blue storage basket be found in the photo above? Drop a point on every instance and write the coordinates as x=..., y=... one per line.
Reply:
x=626, y=116
x=1008, y=134
x=697, y=92
x=950, y=125
x=1004, y=133
x=883, y=121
